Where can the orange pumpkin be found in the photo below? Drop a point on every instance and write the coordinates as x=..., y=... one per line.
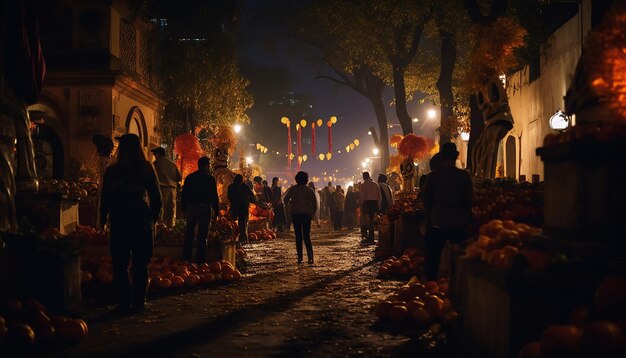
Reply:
x=398, y=312
x=164, y=283
x=383, y=308
x=560, y=341
x=72, y=330
x=215, y=267
x=177, y=281
x=421, y=317
x=207, y=278
x=236, y=275
x=192, y=280
x=21, y=335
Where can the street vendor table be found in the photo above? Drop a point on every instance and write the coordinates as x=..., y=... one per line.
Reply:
x=503, y=311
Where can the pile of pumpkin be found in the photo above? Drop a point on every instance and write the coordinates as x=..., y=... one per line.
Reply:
x=597, y=330
x=505, y=243
x=26, y=323
x=422, y=303
x=507, y=200
x=68, y=190
x=164, y=273
x=405, y=204
x=259, y=212
x=408, y=264
x=89, y=235
x=263, y=234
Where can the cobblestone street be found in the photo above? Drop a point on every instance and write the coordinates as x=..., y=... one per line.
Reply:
x=277, y=309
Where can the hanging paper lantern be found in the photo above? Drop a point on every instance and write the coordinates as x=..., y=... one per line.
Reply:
x=329, y=155
x=303, y=123
x=352, y=146
x=347, y=148
x=329, y=124
x=395, y=140
x=284, y=120
x=304, y=157
x=333, y=119
x=321, y=156
x=320, y=122
x=258, y=146
x=357, y=142
x=413, y=146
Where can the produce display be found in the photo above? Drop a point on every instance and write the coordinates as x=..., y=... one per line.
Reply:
x=602, y=131
x=88, y=234
x=507, y=200
x=404, y=204
x=596, y=330
x=68, y=190
x=263, y=234
x=165, y=272
x=422, y=304
x=260, y=211
x=27, y=323
x=408, y=264
x=505, y=243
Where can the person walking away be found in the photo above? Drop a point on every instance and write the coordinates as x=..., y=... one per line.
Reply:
x=200, y=204
x=370, y=199
x=303, y=205
x=447, y=206
x=316, y=217
x=322, y=210
x=169, y=181
x=350, y=208
x=240, y=196
x=386, y=194
x=279, y=207
x=131, y=220
x=339, y=201
x=268, y=191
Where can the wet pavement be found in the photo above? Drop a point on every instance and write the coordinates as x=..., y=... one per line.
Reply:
x=279, y=308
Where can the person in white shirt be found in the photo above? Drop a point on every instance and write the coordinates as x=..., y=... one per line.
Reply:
x=169, y=181
x=370, y=200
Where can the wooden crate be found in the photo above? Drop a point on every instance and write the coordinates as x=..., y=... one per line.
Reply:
x=502, y=311
x=584, y=191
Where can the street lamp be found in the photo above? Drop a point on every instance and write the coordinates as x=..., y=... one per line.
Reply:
x=431, y=113
x=559, y=121
x=248, y=160
x=415, y=120
x=465, y=136
x=364, y=164
x=237, y=128
x=375, y=151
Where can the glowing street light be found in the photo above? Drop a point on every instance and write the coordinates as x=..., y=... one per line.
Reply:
x=375, y=151
x=465, y=136
x=237, y=128
x=431, y=113
x=248, y=160
x=415, y=120
x=368, y=160
x=369, y=132
x=363, y=164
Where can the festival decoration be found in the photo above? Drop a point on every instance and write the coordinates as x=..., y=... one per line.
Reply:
x=286, y=122
x=188, y=151
x=395, y=140
x=413, y=146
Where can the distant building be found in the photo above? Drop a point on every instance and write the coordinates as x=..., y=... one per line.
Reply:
x=98, y=81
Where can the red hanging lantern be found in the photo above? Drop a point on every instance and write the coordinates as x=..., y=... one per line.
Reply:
x=313, y=139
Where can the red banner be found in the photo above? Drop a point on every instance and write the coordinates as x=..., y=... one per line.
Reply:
x=313, y=139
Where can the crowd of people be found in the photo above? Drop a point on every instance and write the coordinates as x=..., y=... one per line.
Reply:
x=136, y=194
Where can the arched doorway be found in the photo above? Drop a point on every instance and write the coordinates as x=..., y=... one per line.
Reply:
x=136, y=124
x=511, y=162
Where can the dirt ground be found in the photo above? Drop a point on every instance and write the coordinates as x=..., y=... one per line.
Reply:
x=279, y=308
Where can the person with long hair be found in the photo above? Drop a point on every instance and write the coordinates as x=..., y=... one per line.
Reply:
x=131, y=201
x=302, y=207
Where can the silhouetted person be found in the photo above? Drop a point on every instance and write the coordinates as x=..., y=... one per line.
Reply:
x=350, y=208
x=200, y=204
x=316, y=217
x=240, y=196
x=131, y=219
x=370, y=199
x=338, y=202
x=279, y=207
x=386, y=194
x=448, y=205
x=302, y=207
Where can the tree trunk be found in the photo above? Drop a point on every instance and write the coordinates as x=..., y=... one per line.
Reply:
x=444, y=83
x=381, y=117
x=399, y=89
x=477, y=126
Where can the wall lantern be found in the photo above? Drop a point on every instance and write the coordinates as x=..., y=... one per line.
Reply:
x=559, y=120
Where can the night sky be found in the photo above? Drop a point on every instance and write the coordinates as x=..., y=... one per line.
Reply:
x=300, y=64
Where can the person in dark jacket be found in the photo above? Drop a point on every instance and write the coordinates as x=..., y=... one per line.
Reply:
x=240, y=196
x=302, y=207
x=350, y=208
x=339, y=202
x=277, y=204
x=447, y=207
x=131, y=220
x=200, y=204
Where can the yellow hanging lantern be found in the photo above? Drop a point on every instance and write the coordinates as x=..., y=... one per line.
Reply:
x=329, y=155
x=284, y=120
x=303, y=123
x=357, y=142
x=320, y=122
x=333, y=119
x=304, y=157
x=321, y=156
x=352, y=146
